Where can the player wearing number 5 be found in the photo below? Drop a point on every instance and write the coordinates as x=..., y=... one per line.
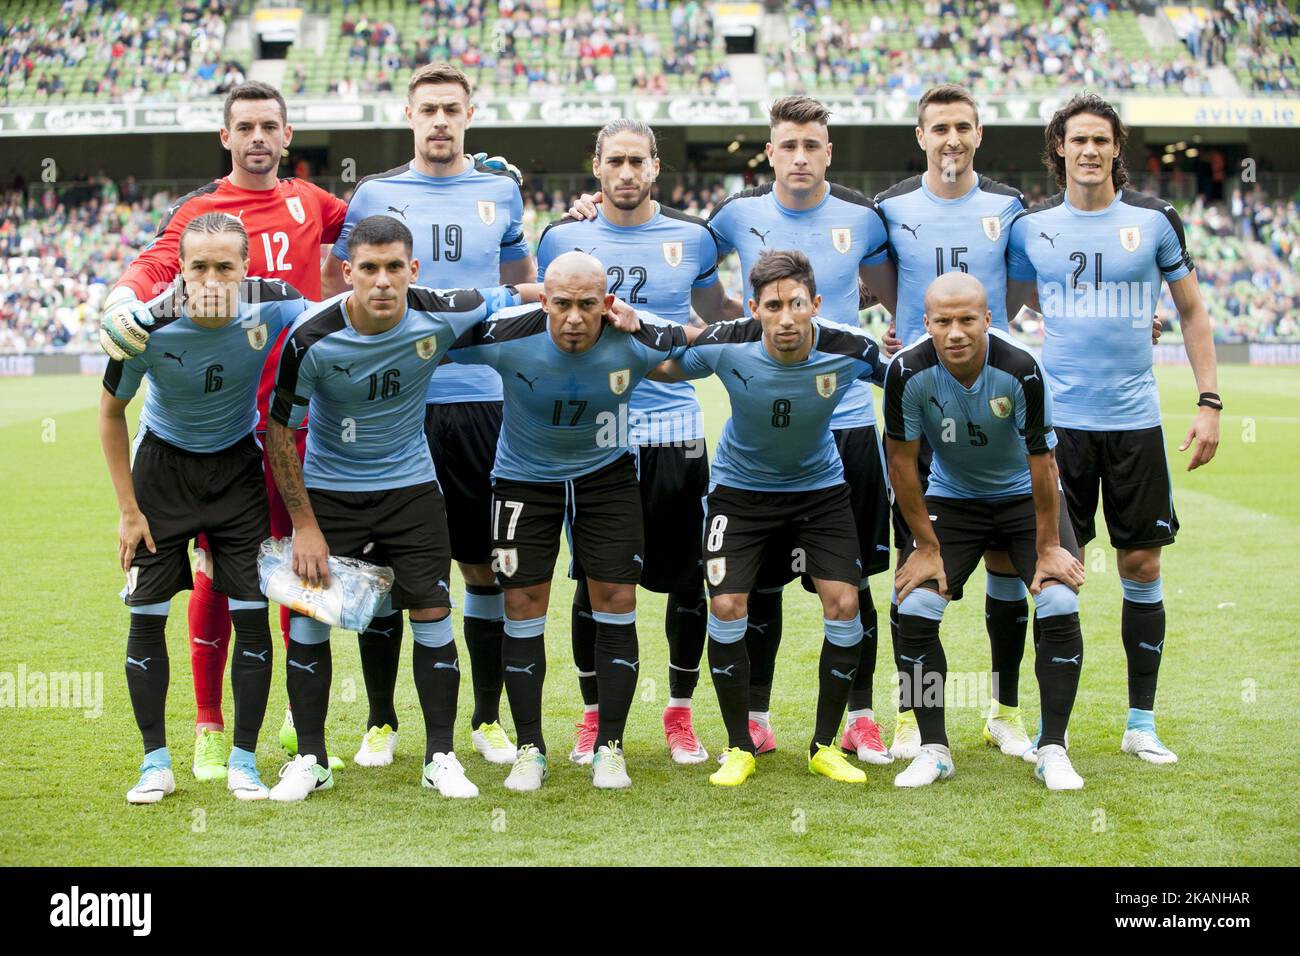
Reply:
x=1092, y=259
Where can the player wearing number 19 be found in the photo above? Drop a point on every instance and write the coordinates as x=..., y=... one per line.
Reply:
x=197, y=469
x=467, y=223
x=778, y=478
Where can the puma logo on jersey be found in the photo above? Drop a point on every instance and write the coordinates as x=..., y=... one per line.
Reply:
x=743, y=380
x=526, y=380
x=491, y=331
x=1051, y=240
x=762, y=236
x=180, y=359
x=1031, y=375
x=346, y=371
x=590, y=252
x=937, y=404
x=911, y=229
x=401, y=212
x=297, y=349
x=659, y=336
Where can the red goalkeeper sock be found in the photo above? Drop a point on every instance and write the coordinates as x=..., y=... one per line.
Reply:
x=209, y=618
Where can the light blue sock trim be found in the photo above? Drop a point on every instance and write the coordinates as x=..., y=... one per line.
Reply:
x=843, y=633
x=923, y=603
x=157, y=758
x=247, y=605
x=1055, y=600
x=534, y=627
x=162, y=608
x=1142, y=720
x=308, y=630
x=486, y=607
x=727, y=632
x=605, y=617
x=242, y=758
x=1005, y=587
x=433, y=633
x=1142, y=593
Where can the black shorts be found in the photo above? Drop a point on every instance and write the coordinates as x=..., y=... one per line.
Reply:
x=463, y=441
x=183, y=494
x=740, y=528
x=864, y=472
x=1132, y=473
x=967, y=527
x=402, y=528
x=601, y=512
x=674, y=481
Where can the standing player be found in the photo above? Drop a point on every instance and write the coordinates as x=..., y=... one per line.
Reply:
x=663, y=261
x=1092, y=259
x=467, y=221
x=368, y=487
x=778, y=478
x=993, y=484
x=287, y=221
x=951, y=219
x=198, y=468
x=561, y=462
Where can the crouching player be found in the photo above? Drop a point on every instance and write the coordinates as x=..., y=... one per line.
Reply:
x=367, y=488
x=197, y=468
x=561, y=461
x=776, y=477
x=979, y=400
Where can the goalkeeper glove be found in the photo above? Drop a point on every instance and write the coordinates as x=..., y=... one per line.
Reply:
x=501, y=164
x=123, y=326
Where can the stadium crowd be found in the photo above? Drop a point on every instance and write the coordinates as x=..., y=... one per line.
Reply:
x=60, y=253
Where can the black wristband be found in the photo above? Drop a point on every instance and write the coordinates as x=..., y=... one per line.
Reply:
x=1210, y=400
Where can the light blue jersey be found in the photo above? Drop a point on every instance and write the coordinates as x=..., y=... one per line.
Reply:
x=203, y=382
x=842, y=232
x=980, y=435
x=1099, y=276
x=929, y=236
x=464, y=227
x=653, y=266
x=565, y=414
x=366, y=392
x=779, y=435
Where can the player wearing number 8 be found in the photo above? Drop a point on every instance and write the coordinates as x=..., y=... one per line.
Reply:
x=777, y=477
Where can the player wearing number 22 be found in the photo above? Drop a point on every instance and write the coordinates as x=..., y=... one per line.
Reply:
x=777, y=476
x=561, y=462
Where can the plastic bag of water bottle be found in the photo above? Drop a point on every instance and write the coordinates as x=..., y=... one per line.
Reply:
x=355, y=591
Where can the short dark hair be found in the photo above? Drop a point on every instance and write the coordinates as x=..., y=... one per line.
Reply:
x=379, y=230
x=777, y=264
x=627, y=125
x=1054, y=136
x=255, y=90
x=212, y=223
x=798, y=109
x=942, y=95
x=438, y=73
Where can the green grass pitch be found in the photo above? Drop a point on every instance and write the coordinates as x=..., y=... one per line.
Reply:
x=1228, y=694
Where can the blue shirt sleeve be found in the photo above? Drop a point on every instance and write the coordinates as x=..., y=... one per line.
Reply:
x=1171, y=254
x=708, y=259
x=1034, y=415
x=720, y=222
x=125, y=376
x=1019, y=267
x=514, y=244
x=877, y=237
x=700, y=361
x=356, y=212
x=295, y=382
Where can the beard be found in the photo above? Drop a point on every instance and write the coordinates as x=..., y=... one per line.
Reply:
x=628, y=202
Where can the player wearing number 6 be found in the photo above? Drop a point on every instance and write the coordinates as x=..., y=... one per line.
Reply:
x=777, y=477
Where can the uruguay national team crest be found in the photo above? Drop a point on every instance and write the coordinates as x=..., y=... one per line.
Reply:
x=673, y=254
x=257, y=337
x=1001, y=406
x=487, y=211
x=992, y=227
x=618, y=381
x=1130, y=237
x=826, y=384
x=295, y=209
x=715, y=569
x=507, y=561
x=426, y=347
x=842, y=239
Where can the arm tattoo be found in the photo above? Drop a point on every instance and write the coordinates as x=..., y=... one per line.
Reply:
x=287, y=469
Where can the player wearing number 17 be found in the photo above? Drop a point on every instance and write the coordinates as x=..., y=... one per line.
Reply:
x=777, y=477
x=1092, y=259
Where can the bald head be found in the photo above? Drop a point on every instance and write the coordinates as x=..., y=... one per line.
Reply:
x=575, y=300
x=958, y=291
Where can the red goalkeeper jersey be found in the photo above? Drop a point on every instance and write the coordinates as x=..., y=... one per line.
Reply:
x=286, y=227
